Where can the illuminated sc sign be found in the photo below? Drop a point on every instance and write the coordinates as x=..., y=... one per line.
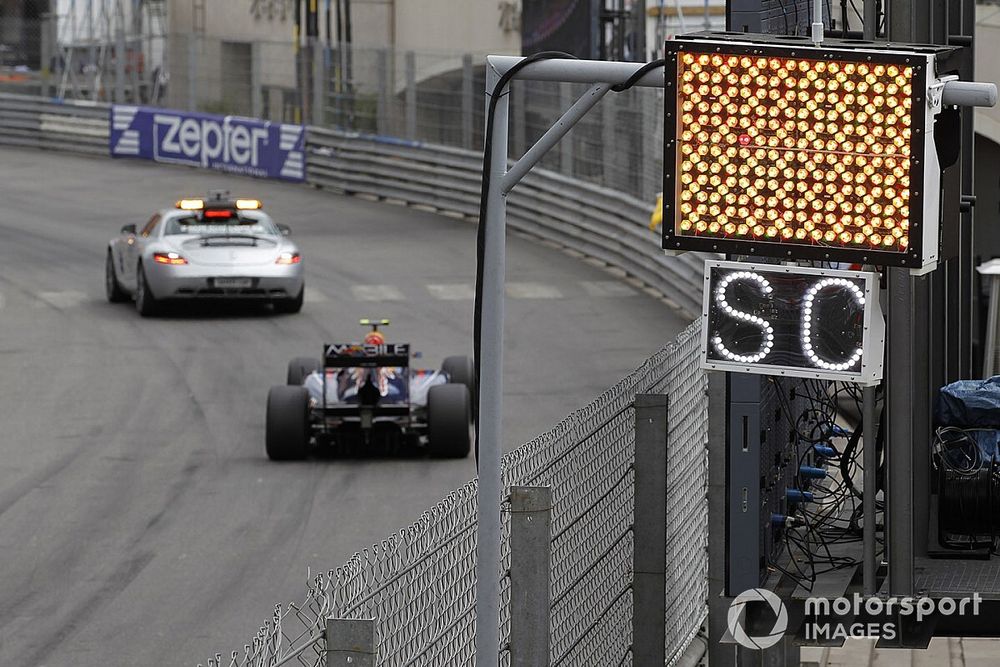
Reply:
x=770, y=319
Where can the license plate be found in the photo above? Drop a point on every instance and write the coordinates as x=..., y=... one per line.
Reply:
x=233, y=282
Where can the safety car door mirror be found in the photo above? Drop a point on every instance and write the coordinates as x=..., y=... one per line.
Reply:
x=285, y=229
x=128, y=229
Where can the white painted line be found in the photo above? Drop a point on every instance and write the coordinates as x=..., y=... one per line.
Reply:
x=607, y=288
x=453, y=292
x=532, y=291
x=376, y=293
x=313, y=295
x=67, y=299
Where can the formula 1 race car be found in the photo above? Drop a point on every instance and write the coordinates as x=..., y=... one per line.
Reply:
x=365, y=396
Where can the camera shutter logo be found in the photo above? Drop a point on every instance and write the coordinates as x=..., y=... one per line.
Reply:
x=737, y=618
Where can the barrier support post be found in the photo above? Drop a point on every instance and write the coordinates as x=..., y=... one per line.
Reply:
x=350, y=642
x=530, y=599
x=649, y=533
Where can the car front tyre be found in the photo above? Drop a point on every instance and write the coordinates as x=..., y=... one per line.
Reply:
x=448, y=417
x=145, y=303
x=287, y=429
x=112, y=287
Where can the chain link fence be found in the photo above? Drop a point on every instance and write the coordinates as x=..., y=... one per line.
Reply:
x=418, y=584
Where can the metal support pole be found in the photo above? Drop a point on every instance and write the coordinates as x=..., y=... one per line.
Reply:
x=491, y=390
x=900, y=394
x=49, y=51
x=530, y=600
x=870, y=489
x=649, y=584
x=467, y=101
x=384, y=81
x=318, y=84
x=119, y=63
x=411, y=95
x=350, y=642
x=871, y=19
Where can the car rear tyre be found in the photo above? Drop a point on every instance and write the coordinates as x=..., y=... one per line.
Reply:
x=299, y=369
x=287, y=429
x=145, y=303
x=112, y=287
x=292, y=305
x=462, y=370
x=448, y=417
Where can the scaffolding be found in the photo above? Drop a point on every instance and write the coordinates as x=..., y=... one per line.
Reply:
x=111, y=50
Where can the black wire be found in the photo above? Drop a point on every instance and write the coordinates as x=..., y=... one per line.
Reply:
x=639, y=73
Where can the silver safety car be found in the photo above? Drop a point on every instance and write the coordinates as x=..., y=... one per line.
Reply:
x=204, y=248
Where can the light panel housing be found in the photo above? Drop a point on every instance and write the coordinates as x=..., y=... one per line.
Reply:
x=771, y=319
x=801, y=152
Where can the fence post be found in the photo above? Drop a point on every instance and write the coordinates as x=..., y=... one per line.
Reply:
x=467, y=101
x=530, y=538
x=119, y=88
x=319, y=81
x=411, y=95
x=49, y=65
x=382, y=62
x=649, y=587
x=350, y=642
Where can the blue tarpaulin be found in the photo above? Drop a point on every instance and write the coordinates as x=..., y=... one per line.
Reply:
x=970, y=404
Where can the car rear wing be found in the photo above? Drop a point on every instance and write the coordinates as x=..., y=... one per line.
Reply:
x=364, y=355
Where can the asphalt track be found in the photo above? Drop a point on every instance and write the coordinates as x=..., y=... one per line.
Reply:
x=140, y=522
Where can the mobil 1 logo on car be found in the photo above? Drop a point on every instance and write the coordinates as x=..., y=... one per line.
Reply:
x=228, y=143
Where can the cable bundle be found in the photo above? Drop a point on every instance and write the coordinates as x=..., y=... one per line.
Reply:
x=968, y=470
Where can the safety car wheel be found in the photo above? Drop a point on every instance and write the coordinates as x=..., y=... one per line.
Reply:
x=462, y=370
x=448, y=417
x=287, y=429
x=292, y=305
x=112, y=288
x=299, y=369
x=145, y=303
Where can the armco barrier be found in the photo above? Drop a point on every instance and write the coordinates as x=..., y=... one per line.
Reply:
x=580, y=217
x=73, y=126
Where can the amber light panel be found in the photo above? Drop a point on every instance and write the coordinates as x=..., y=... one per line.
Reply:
x=794, y=151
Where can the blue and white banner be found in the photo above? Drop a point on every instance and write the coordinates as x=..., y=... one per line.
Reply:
x=228, y=143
